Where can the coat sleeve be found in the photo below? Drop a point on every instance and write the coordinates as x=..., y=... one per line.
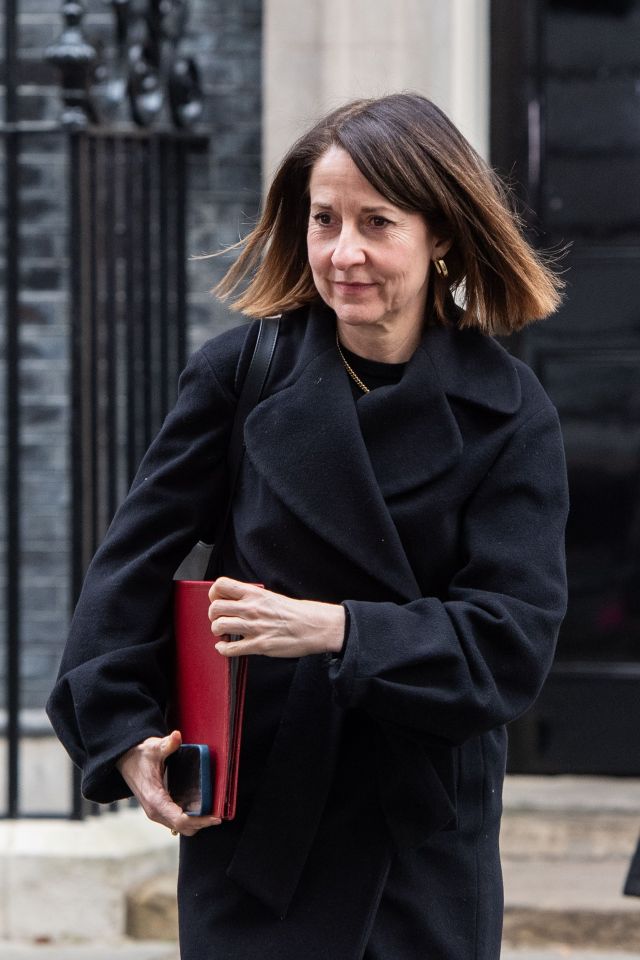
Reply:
x=112, y=687
x=456, y=666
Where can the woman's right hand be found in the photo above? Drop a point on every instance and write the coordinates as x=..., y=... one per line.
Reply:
x=142, y=767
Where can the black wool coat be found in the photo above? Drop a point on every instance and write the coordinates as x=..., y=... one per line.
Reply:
x=434, y=509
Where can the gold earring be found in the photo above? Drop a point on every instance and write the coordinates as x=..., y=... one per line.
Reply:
x=441, y=267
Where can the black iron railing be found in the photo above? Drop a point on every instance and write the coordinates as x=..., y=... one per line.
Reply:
x=127, y=128
x=12, y=486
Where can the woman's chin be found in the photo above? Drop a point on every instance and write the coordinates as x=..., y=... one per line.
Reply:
x=354, y=316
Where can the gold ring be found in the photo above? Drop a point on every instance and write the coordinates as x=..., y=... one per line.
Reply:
x=174, y=833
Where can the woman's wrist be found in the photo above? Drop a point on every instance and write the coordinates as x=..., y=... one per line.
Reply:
x=334, y=632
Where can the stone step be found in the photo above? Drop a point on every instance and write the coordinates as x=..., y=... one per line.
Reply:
x=11, y=950
x=77, y=873
x=152, y=911
x=93, y=950
x=561, y=953
x=566, y=844
x=570, y=818
x=547, y=904
x=569, y=903
x=576, y=837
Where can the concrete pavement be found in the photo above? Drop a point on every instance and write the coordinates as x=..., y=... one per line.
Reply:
x=105, y=951
x=564, y=953
x=162, y=951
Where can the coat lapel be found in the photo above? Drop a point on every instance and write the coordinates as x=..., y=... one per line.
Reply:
x=473, y=367
x=409, y=429
x=306, y=443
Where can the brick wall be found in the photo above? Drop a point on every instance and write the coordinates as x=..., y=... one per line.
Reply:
x=225, y=38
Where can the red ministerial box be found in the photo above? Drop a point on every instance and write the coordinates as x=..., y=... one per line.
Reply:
x=210, y=689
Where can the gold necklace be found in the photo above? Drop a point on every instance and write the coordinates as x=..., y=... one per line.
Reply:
x=354, y=376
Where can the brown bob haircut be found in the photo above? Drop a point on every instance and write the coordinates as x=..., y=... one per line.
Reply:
x=413, y=155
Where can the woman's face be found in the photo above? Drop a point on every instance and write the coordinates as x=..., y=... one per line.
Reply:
x=370, y=260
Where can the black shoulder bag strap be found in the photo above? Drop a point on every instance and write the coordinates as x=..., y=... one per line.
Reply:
x=249, y=396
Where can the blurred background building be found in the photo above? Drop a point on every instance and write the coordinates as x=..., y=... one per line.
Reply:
x=565, y=122
x=137, y=134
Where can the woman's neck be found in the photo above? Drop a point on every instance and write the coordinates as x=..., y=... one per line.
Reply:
x=385, y=346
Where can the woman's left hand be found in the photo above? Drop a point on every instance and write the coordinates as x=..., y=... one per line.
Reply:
x=271, y=624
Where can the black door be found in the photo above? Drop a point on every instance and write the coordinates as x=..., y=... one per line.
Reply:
x=566, y=130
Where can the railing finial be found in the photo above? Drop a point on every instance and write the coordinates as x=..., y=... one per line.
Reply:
x=76, y=58
x=146, y=73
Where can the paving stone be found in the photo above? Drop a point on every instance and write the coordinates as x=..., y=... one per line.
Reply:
x=71, y=951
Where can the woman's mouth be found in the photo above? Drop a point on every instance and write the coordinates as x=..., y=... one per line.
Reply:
x=352, y=287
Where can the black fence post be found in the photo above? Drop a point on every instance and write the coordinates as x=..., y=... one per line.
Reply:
x=12, y=568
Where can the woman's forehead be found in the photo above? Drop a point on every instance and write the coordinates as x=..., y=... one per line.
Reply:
x=335, y=177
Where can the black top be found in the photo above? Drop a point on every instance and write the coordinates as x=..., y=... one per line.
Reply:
x=373, y=373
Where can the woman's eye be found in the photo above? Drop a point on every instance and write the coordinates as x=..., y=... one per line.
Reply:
x=324, y=219
x=379, y=221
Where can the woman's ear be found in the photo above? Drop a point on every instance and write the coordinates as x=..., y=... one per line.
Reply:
x=441, y=248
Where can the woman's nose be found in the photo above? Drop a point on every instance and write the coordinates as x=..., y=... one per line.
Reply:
x=349, y=250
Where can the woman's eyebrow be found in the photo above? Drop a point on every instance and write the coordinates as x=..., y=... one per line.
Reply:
x=324, y=205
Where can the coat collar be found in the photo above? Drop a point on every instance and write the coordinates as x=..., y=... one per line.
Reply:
x=473, y=367
x=337, y=464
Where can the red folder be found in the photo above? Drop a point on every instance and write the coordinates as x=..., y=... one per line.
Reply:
x=210, y=690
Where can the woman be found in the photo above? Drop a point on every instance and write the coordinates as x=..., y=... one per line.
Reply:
x=403, y=499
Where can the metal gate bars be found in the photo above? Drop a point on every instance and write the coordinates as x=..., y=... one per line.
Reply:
x=126, y=137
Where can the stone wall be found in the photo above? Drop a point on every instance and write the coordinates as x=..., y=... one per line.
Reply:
x=225, y=38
